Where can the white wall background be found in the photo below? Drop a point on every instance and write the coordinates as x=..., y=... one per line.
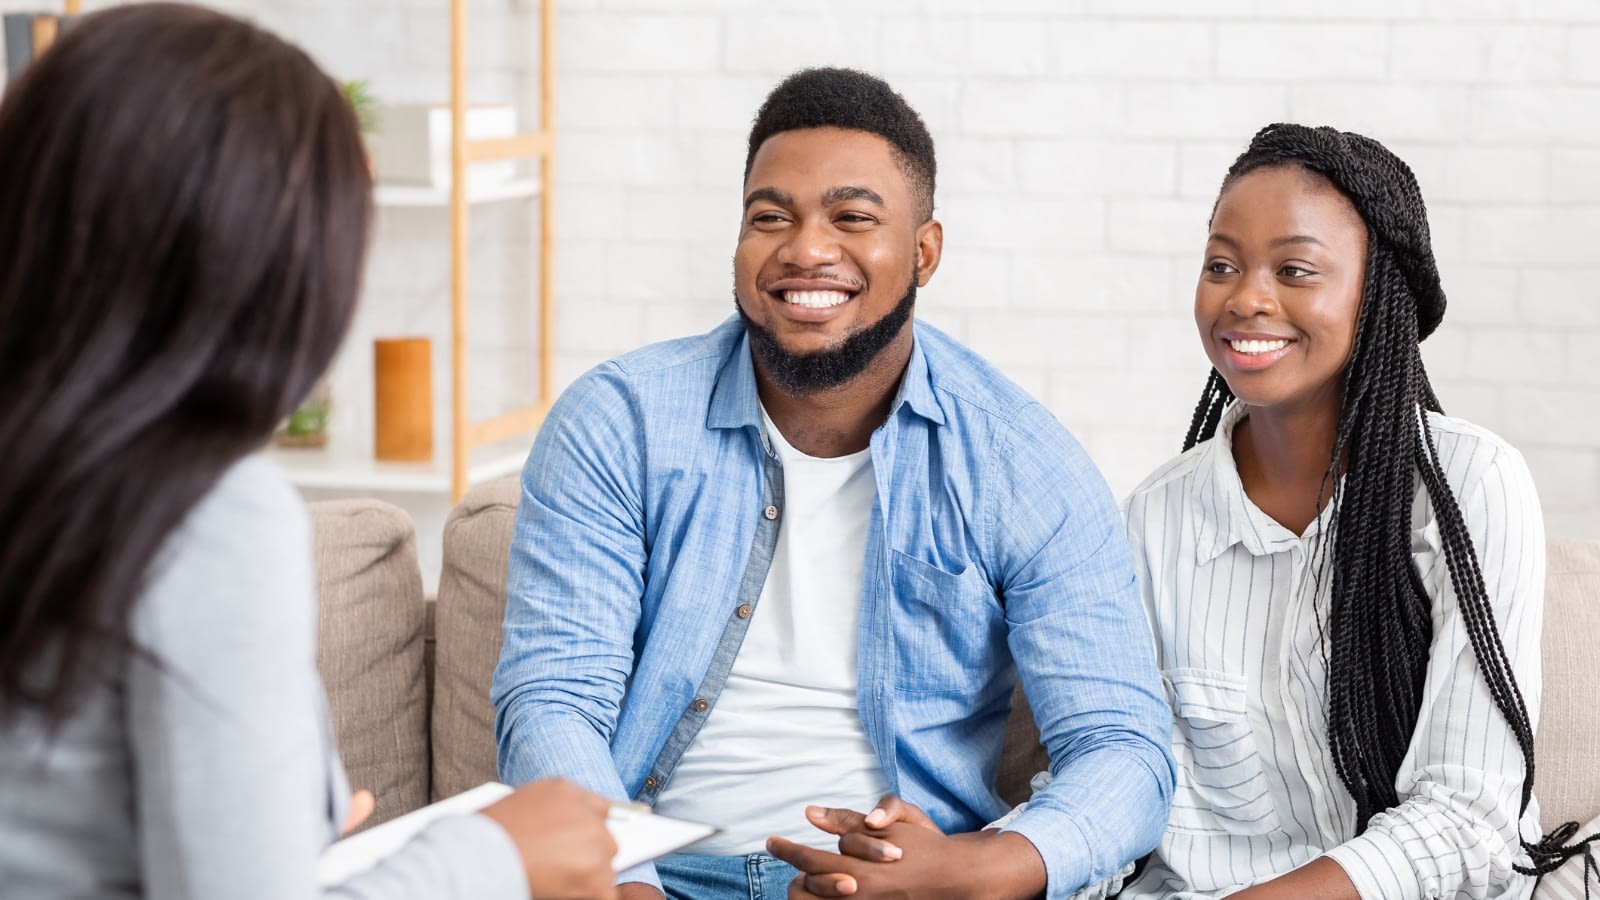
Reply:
x=1080, y=146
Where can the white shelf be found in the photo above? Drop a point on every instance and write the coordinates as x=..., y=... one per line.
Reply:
x=387, y=194
x=353, y=469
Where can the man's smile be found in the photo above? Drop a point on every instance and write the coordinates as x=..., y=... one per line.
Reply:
x=815, y=299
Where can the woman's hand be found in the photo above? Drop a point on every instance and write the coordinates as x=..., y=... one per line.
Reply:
x=361, y=804
x=560, y=832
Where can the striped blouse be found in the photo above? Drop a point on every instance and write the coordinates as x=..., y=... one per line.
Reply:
x=1236, y=607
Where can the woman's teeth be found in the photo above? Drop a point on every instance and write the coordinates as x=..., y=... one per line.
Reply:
x=1257, y=347
x=815, y=299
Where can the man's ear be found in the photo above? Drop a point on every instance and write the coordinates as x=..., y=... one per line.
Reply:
x=930, y=247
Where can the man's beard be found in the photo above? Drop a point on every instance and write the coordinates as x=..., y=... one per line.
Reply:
x=797, y=374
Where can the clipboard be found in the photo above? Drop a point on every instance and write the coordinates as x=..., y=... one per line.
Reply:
x=641, y=835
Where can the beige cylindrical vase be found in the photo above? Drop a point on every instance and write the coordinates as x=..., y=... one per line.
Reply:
x=402, y=370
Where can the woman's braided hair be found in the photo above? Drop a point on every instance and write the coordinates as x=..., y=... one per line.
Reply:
x=1380, y=619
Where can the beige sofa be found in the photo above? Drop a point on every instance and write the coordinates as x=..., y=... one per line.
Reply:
x=408, y=680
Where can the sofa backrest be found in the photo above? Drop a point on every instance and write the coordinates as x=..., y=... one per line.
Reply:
x=370, y=649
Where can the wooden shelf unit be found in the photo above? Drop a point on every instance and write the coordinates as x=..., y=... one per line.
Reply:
x=467, y=435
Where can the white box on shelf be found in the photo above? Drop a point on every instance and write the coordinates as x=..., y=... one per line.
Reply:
x=412, y=144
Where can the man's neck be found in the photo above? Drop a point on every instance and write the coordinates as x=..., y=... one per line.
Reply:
x=840, y=420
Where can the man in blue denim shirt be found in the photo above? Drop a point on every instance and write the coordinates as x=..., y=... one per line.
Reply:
x=678, y=634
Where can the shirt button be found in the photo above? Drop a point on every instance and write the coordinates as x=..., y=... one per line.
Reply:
x=701, y=706
x=743, y=611
x=650, y=783
x=771, y=513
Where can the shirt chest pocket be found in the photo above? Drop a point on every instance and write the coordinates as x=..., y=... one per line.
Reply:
x=949, y=634
x=1222, y=785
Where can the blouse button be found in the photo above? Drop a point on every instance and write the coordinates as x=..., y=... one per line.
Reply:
x=771, y=513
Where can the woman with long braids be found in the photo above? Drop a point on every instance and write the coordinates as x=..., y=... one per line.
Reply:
x=184, y=207
x=1345, y=584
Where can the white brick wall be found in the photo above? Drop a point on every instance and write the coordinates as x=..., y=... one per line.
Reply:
x=1081, y=144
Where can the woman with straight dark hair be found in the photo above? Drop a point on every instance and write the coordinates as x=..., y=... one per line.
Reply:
x=184, y=206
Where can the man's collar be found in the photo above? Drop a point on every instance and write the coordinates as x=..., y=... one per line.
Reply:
x=916, y=388
x=736, y=404
x=734, y=401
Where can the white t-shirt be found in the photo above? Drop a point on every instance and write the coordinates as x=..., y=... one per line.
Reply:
x=786, y=731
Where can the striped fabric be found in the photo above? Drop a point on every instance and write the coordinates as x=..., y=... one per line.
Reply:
x=1238, y=611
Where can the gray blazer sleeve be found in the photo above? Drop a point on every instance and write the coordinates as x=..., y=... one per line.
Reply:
x=237, y=786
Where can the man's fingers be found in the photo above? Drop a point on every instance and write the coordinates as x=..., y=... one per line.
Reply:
x=871, y=849
x=797, y=889
x=834, y=885
x=807, y=859
x=835, y=821
x=892, y=809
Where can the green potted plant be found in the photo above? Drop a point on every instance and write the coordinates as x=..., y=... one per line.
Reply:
x=358, y=93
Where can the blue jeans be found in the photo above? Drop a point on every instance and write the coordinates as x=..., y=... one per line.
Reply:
x=754, y=877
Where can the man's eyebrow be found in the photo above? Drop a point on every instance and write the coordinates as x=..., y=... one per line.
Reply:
x=850, y=192
x=770, y=194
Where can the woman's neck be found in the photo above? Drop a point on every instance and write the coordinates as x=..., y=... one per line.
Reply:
x=1282, y=457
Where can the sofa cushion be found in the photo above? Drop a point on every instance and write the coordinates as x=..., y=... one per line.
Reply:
x=1567, y=747
x=370, y=649
x=467, y=618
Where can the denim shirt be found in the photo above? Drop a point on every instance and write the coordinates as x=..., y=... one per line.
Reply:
x=650, y=508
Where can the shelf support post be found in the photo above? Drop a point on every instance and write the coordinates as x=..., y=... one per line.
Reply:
x=459, y=223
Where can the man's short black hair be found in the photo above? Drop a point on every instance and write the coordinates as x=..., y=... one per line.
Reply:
x=847, y=98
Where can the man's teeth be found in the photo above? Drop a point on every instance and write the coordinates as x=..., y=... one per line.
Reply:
x=815, y=299
x=1254, y=347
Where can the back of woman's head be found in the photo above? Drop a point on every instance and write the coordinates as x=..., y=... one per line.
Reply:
x=183, y=213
